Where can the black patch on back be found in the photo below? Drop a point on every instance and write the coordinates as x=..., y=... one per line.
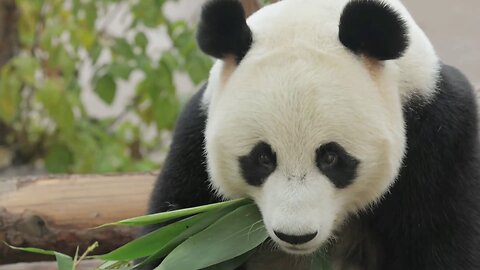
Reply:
x=343, y=171
x=254, y=167
x=374, y=29
x=183, y=181
x=223, y=30
x=430, y=218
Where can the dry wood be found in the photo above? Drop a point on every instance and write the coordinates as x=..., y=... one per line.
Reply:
x=86, y=265
x=58, y=212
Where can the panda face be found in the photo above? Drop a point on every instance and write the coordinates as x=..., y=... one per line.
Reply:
x=305, y=112
x=310, y=137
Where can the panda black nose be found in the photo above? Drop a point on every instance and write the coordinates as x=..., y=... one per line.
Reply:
x=295, y=239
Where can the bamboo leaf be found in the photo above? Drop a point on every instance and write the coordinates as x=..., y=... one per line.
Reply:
x=233, y=263
x=149, y=243
x=233, y=235
x=64, y=262
x=204, y=222
x=32, y=250
x=166, y=216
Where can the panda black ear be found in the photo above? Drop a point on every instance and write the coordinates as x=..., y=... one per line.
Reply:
x=223, y=30
x=373, y=28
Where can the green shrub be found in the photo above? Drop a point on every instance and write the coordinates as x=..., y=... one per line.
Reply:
x=42, y=114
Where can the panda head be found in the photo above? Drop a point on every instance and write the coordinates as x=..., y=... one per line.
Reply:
x=304, y=110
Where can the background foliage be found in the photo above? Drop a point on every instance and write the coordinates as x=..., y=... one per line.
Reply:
x=43, y=117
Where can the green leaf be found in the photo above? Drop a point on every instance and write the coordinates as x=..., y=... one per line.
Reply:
x=119, y=70
x=206, y=220
x=61, y=61
x=165, y=110
x=150, y=15
x=123, y=48
x=95, y=52
x=27, y=23
x=91, y=15
x=141, y=40
x=86, y=38
x=166, y=216
x=26, y=67
x=233, y=235
x=196, y=71
x=53, y=97
x=59, y=159
x=106, y=88
x=64, y=262
x=233, y=263
x=32, y=250
x=49, y=34
x=10, y=97
x=149, y=243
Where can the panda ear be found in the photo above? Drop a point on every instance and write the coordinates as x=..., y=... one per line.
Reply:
x=374, y=29
x=223, y=30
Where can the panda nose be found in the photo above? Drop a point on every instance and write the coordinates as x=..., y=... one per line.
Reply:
x=295, y=239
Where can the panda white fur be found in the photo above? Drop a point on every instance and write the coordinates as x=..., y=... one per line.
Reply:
x=342, y=124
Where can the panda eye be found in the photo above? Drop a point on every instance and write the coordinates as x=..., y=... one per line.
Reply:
x=265, y=160
x=337, y=164
x=328, y=159
x=257, y=165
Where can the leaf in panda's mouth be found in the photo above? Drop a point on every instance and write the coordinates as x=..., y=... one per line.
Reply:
x=166, y=216
x=219, y=236
x=233, y=235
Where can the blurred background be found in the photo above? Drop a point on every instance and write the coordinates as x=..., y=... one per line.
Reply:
x=95, y=86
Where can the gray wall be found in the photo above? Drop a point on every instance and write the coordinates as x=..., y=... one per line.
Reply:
x=454, y=29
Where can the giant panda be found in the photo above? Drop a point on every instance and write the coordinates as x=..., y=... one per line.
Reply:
x=339, y=120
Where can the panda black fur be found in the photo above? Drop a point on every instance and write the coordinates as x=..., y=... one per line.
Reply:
x=428, y=218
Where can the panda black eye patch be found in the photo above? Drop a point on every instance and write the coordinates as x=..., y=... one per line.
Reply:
x=337, y=164
x=258, y=164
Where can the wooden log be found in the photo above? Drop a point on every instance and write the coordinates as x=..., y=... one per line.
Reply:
x=85, y=265
x=58, y=212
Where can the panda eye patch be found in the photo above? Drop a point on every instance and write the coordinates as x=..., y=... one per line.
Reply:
x=337, y=164
x=258, y=164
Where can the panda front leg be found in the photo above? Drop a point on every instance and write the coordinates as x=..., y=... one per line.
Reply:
x=183, y=180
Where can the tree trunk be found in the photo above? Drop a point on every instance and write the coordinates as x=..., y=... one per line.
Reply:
x=8, y=30
x=58, y=213
x=8, y=48
x=250, y=6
